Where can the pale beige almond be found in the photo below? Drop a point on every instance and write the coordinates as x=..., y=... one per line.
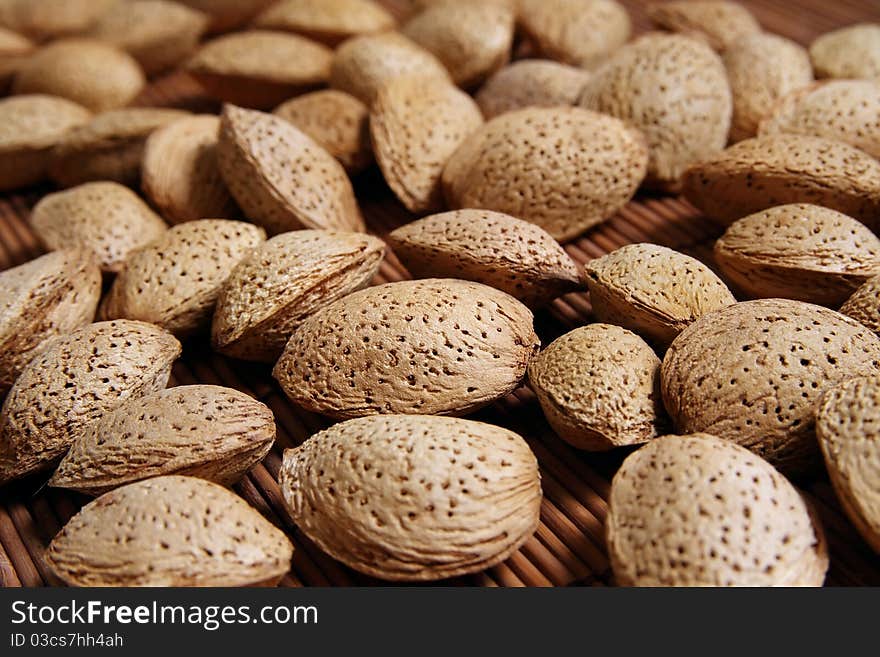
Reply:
x=530, y=83
x=50, y=19
x=850, y=52
x=14, y=50
x=719, y=22
x=327, y=21
x=228, y=15
x=864, y=305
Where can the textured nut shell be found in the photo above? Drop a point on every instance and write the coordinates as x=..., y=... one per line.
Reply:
x=472, y=40
x=260, y=68
x=109, y=147
x=847, y=427
x=798, y=251
x=416, y=124
x=281, y=178
x=496, y=249
x=108, y=219
x=14, y=49
x=530, y=83
x=228, y=15
x=88, y=72
x=30, y=125
x=771, y=170
x=435, y=346
x=599, y=387
x=328, y=21
x=159, y=34
x=653, y=291
x=719, y=22
x=204, y=431
x=761, y=69
x=674, y=89
x=284, y=281
x=699, y=511
x=43, y=299
x=565, y=169
x=50, y=19
x=363, y=64
x=180, y=173
x=414, y=498
x=338, y=121
x=850, y=52
x=845, y=110
x=175, y=280
x=577, y=32
x=72, y=383
x=864, y=305
x=169, y=531
x=753, y=374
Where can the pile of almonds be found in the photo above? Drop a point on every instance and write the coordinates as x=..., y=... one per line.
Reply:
x=244, y=231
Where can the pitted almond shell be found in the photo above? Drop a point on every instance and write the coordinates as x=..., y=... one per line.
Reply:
x=530, y=83
x=864, y=305
x=327, y=21
x=850, y=52
x=414, y=497
x=169, y=531
x=228, y=15
x=719, y=22
x=14, y=49
x=50, y=19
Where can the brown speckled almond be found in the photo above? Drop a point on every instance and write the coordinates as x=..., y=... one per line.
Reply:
x=435, y=346
x=850, y=52
x=204, y=431
x=699, y=511
x=284, y=281
x=565, y=169
x=578, y=32
x=227, y=15
x=530, y=83
x=599, y=387
x=864, y=305
x=488, y=247
x=848, y=428
x=50, y=19
x=281, y=178
x=653, y=290
x=798, y=251
x=108, y=219
x=771, y=170
x=337, y=121
x=719, y=22
x=109, y=147
x=416, y=124
x=175, y=280
x=414, y=497
x=846, y=110
x=72, y=383
x=43, y=299
x=89, y=72
x=753, y=374
x=473, y=40
x=260, y=68
x=674, y=89
x=180, y=174
x=169, y=531
x=327, y=21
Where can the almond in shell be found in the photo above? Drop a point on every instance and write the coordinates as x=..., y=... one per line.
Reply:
x=850, y=52
x=14, y=50
x=228, y=15
x=864, y=305
x=327, y=21
x=719, y=22
x=530, y=83
x=51, y=19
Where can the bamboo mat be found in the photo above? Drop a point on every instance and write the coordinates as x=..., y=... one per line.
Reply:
x=568, y=547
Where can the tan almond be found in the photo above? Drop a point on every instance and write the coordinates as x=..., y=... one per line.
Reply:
x=228, y=15
x=718, y=22
x=753, y=374
x=337, y=121
x=762, y=68
x=14, y=50
x=86, y=71
x=566, y=168
x=104, y=217
x=30, y=126
x=850, y=52
x=674, y=89
x=699, y=511
x=530, y=83
x=845, y=110
x=282, y=179
x=109, y=147
x=327, y=21
x=363, y=64
x=272, y=291
x=771, y=170
x=44, y=299
x=51, y=19
x=77, y=379
x=169, y=531
x=416, y=124
x=578, y=32
x=204, y=431
x=653, y=290
x=180, y=173
x=599, y=387
x=864, y=305
x=174, y=281
x=488, y=247
x=434, y=346
x=414, y=497
x=798, y=251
